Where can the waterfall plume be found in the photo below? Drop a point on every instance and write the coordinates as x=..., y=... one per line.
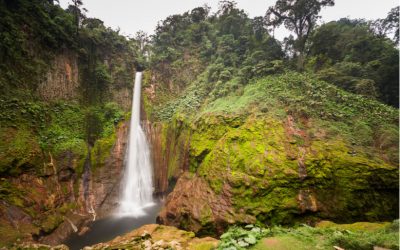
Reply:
x=137, y=186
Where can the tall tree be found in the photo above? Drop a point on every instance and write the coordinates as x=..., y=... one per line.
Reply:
x=388, y=26
x=78, y=13
x=299, y=16
x=392, y=23
x=140, y=45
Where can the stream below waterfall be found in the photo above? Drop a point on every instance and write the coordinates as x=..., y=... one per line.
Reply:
x=108, y=228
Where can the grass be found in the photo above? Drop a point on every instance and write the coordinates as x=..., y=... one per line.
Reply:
x=358, y=236
x=285, y=243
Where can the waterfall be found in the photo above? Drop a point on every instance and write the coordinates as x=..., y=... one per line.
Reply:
x=137, y=188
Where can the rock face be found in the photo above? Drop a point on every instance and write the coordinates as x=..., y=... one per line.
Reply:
x=170, y=152
x=193, y=204
x=61, y=81
x=46, y=207
x=246, y=169
x=105, y=190
x=157, y=237
x=98, y=193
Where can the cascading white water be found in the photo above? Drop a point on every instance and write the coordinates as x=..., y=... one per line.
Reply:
x=137, y=191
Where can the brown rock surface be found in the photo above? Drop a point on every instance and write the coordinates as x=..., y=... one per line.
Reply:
x=195, y=206
x=155, y=236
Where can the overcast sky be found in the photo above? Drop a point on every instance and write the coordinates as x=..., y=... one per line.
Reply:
x=134, y=15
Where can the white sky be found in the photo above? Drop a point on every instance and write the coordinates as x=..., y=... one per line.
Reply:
x=134, y=15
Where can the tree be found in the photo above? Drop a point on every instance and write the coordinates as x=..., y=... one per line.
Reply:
x=299, y=16
x=392, y=23
x=226, y=7
x=75, y=9
x=200, y=13
x=388, y=26
x=141, y=49
x=348, y=54
x=259, y=28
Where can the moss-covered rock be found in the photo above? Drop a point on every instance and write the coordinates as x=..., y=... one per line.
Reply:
x=19, y=150
x=277, y=171
x=155, y=236
x=41, y=168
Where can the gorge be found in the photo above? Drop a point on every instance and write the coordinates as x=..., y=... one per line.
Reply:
x=224, y=136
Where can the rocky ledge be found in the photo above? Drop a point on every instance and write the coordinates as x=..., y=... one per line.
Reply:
x=151, y=236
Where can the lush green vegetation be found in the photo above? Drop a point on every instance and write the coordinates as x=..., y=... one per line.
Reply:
x=35, y=123
x=359, y=236
x=241, y=238
x=63, y=79
x=295, y=121
x=360, y=121
x=294, y=131
x=26, y=25
x=55, y=128
x=33, y=33
x=223, y=52
x=348, y=54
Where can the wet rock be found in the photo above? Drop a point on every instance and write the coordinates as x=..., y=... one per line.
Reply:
x=84, y=230
x=380, y=248
x=29, y=246
x=65, y=174
x=307, y=201
x=154, y=237
x=206, y=212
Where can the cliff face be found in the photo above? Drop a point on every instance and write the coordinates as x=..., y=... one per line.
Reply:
x=42, y=207
x=61, y=81
x=65, y=90
x=170, y=153
x=243, y=162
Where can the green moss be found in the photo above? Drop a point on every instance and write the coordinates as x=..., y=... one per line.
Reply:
x=8, y=234
x=202, y=246
x=51, y=222
x=356, y=119
x=101, y=150
x=18, y=150
x=358, y=226
x=245, y=149
x=257, y=159
x=66, y=207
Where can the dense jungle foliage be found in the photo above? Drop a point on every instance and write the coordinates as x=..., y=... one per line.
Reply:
x=34, y=36
x=231, y=49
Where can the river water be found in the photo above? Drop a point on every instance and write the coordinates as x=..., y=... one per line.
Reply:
x=108, y=228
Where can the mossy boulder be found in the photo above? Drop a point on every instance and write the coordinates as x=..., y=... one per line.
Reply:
x=155, y=236
x=271, y=170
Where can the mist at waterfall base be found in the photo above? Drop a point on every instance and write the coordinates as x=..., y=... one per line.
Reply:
x=136, y=204
x=106, y=229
